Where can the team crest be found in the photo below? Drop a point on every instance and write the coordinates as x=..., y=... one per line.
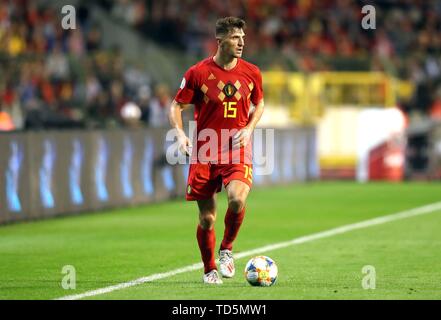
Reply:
x=229, y=90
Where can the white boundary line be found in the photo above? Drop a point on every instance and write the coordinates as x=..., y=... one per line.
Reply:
x=320, y=235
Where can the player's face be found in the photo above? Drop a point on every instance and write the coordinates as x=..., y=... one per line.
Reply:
x=233, y=43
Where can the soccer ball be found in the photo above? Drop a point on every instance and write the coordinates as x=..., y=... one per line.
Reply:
x=261, y=271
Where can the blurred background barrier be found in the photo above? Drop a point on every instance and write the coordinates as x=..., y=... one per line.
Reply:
x=52, y=173
x=353, y=112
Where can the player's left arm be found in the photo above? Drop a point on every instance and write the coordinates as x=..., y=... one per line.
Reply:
x=243, y=137
x=255, y=115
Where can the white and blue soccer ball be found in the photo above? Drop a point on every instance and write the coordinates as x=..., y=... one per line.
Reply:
x=261, y=271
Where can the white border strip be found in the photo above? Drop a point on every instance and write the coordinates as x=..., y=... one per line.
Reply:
x=320, y=235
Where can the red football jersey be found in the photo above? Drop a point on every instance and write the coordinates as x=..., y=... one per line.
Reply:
x=222, y=101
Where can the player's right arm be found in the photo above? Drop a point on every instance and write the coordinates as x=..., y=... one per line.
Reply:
x=184, y=98
x=175, y=117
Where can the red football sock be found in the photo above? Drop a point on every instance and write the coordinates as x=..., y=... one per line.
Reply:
x=207, y=243
x=233, y=222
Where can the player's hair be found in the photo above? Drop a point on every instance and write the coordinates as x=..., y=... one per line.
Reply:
x=227, y=24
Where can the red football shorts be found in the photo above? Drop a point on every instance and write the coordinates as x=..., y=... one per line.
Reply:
x=205, y=179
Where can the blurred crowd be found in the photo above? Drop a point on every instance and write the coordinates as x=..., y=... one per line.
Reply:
x=305, y=30
x=56, y=78
x=308, y=35
x=51, y=77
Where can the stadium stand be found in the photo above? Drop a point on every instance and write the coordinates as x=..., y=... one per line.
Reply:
x=67, y=79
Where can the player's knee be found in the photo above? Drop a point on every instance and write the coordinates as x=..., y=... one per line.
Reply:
x=207, y=221
x=236, y=204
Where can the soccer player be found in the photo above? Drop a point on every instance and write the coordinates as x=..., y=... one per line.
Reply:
x=221, y=88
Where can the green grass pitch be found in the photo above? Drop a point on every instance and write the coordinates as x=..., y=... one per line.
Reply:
x=109, y=248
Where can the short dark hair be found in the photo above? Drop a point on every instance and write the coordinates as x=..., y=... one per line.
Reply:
x=227, y=24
